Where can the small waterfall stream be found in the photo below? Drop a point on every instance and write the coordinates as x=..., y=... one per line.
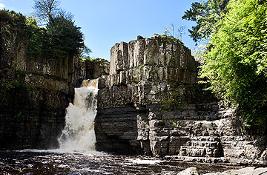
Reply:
x=79, y=134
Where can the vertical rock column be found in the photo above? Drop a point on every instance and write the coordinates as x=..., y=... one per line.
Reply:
x=150, y=76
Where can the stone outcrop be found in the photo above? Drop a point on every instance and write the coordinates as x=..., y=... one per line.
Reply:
x=34, y=93
x=89, y=69
x=243, y=171
x=141, y=73
x=36, y=87
x=189, y=171
x=152, y=82
x=152, y=102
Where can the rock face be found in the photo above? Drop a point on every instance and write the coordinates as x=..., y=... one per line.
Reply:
x=243, y=171
x=150, y=85
x=151, y=102
x=35, y=88
x=34, y=93
x=89, y=69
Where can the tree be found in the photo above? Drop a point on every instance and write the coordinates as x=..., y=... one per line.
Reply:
x=65, y=37
x=46, y=10
x=61, y=37
x=206, y=15
x=236, y=60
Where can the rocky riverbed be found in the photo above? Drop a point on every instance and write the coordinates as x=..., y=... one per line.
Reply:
x=33, y=162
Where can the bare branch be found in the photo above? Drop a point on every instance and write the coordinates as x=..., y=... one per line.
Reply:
x=46, y=9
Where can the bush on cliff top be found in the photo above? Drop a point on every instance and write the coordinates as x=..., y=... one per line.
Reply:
x=65, y=38
x=13, y=29
x=59, y=39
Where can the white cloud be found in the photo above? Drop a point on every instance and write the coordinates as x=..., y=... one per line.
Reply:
x=2, y=5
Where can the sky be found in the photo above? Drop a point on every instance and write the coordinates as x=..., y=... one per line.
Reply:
x=106, y=22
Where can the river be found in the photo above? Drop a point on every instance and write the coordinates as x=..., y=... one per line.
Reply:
x=56, y=162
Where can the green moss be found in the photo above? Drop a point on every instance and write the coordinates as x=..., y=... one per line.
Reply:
x=17, y=82
x=94, y=60
x=166, y=39
x=19, y=116
x=174, y=101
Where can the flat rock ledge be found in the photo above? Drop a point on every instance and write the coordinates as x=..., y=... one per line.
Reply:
x=223, y=160
x=243, y=171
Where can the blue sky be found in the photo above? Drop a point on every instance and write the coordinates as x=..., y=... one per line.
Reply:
x=106, y=22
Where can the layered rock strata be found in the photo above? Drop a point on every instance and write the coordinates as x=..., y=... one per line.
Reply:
x=89, y=69
x=34, y=93
x=148, y=78
x=151, y=102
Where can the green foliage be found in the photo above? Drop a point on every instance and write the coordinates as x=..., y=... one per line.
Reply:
x=8, y=85
x=12, y=29
x=92, y=59
x=61, y=38
x=236, y=60
x=36, y=37
x=12, y=19
x=174, y=100
x=86, y=52
x=64, y=37
x=168, y=39
x=206, y=15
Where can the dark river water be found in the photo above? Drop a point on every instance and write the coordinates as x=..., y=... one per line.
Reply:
x=31, y=162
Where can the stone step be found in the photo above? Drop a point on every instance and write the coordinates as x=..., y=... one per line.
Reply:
x=200, y=151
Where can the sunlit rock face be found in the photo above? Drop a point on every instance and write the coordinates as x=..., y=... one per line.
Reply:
x=151, y=102
x=89, y=69
x=148, y=71
x=152, y=83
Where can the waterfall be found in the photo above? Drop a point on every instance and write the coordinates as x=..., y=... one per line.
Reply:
x=79, y=133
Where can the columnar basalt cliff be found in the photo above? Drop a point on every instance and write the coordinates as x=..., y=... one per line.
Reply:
x=36, y=84
x=34, y=93
x=89, y=69
x=152, y=103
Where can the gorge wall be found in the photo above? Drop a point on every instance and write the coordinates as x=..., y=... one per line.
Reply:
x=152, y=102
x=37, y=79
x=89, y=69
x=34, y=93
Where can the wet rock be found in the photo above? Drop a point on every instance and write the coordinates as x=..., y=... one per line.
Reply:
x=264, y=157
x=189, y=171
x=243, y=171
x=116, y=130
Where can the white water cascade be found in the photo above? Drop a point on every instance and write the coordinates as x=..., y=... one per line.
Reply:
x=79, y=134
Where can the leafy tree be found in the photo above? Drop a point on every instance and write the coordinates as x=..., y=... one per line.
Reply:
x=61, y=37
x=37, y=36
x=236, y=59
x=206, y=15
x=65, y=37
